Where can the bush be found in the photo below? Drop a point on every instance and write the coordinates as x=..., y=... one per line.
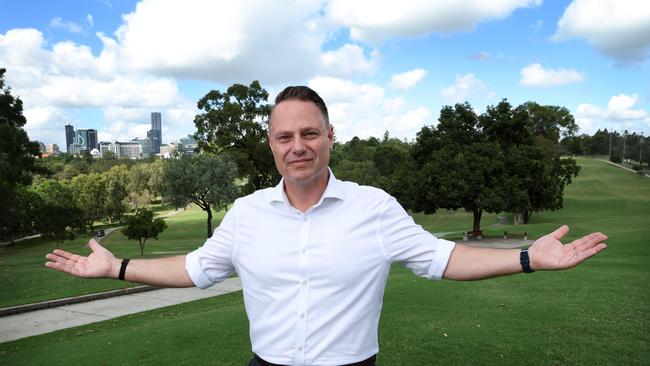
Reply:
x=615, y=159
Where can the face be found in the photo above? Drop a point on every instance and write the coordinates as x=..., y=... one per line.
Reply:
x=300, y=142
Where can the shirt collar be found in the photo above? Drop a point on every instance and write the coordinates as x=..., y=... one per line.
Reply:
x=334, y=190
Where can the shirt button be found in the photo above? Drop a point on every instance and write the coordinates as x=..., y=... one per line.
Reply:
x=305, y=218
x=302, y=315
x=304, y=251
x=300, y=348
x=304, y=282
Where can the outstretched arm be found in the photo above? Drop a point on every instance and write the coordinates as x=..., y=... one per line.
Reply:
x=547, y=253
x=101, y=263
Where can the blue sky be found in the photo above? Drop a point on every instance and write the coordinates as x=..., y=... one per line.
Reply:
x=379, y=65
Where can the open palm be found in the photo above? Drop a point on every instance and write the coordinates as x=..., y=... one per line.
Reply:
x=100, y=263
x=548, y=253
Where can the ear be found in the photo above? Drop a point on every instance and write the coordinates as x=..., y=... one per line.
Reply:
x=330, y=136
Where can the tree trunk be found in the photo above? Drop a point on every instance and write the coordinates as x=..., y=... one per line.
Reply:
x=522, y=218
x=477, y=220
x=142, y=247
x=209, y=211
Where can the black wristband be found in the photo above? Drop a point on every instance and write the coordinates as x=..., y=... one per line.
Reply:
x=125, y=262
x=524, y=259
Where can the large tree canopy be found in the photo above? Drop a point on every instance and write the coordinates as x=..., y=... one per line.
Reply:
x=205, y=180
x=505, y=160
x=234, y=122
x=455, y=167
x=16, y=156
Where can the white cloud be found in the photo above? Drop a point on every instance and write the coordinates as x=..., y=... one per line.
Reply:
x=618, y=28
x=68, y=25
x=373, y=21
x=619, y=114
x=536, y=75
x=465, y=87
x=349, y=60
x=365, y=110
x=407, y=80
x=223, y=41
x=90, y=20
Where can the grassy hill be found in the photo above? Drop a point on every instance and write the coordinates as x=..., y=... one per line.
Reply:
x=596, y=314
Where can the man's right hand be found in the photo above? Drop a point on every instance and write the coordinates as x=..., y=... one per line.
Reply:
x=100, y=263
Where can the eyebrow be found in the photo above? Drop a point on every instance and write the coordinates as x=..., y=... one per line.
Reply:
x=289, y=132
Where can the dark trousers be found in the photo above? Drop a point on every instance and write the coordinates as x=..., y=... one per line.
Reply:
x=258, y=361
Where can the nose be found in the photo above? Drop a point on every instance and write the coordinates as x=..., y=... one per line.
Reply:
x=299, y=146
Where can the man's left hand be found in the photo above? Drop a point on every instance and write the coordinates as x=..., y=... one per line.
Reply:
x=548, y=253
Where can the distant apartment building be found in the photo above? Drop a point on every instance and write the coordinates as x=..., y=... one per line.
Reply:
x=130, y=149
x=187, y=145
x=85, y=139
x=155, y=134
x=166, y=151
x=80, y=140
x=69, y=138
x=52, y=149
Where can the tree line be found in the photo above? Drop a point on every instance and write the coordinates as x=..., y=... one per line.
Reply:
x=618, y=146
x=506, y=159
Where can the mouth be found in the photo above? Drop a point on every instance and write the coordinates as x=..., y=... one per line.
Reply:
x=300, y=161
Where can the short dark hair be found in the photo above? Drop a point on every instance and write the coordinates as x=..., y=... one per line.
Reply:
x=305, y=94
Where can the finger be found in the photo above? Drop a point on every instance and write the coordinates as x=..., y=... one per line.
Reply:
x=94, y=245
x=560, y=232
x=583, y=256
x=66, y=255
x=66, y=267
x=588, y=241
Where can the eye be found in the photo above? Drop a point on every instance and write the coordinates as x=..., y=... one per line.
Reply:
x=311, y=134
x=283, y=138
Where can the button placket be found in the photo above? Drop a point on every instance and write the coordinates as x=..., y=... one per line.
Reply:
x=303, y=291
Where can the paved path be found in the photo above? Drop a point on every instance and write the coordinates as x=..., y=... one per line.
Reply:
x=18, y=326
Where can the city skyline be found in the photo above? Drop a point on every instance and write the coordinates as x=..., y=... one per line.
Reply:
x=379, y=65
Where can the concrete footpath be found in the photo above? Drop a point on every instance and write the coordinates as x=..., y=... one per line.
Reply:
x=32, y=323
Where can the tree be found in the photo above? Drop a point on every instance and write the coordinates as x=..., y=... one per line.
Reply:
x=205, y=180
x=232, y=122
x=156, y=174
x=139, y=191
x=141, y=226
x=528, y=137
x=16, y=155
x=57, y=216
x=89, y=192
x=454, y=167
x=117, y=192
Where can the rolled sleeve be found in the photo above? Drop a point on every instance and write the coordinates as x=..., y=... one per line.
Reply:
x=408, y=243
x=212, y=262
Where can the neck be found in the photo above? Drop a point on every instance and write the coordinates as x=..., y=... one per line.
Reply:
x=304, y=196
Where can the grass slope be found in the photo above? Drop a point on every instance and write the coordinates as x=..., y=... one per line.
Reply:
x=24, y=278
x=596, y=314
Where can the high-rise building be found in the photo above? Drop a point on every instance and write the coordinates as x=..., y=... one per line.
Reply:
x=85, y=139
x=81, y=140
x=92, y=139
x=69, y=138
x=155, y=134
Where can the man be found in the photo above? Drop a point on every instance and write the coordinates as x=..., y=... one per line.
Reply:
x=314, y=253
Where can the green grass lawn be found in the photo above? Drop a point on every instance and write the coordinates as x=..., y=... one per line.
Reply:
x=24, y=278
x=596, y=314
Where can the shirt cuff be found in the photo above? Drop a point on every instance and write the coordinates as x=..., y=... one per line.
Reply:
x=195, y=271
x=440, y=259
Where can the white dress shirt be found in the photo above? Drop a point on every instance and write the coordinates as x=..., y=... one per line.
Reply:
x=313, y=282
